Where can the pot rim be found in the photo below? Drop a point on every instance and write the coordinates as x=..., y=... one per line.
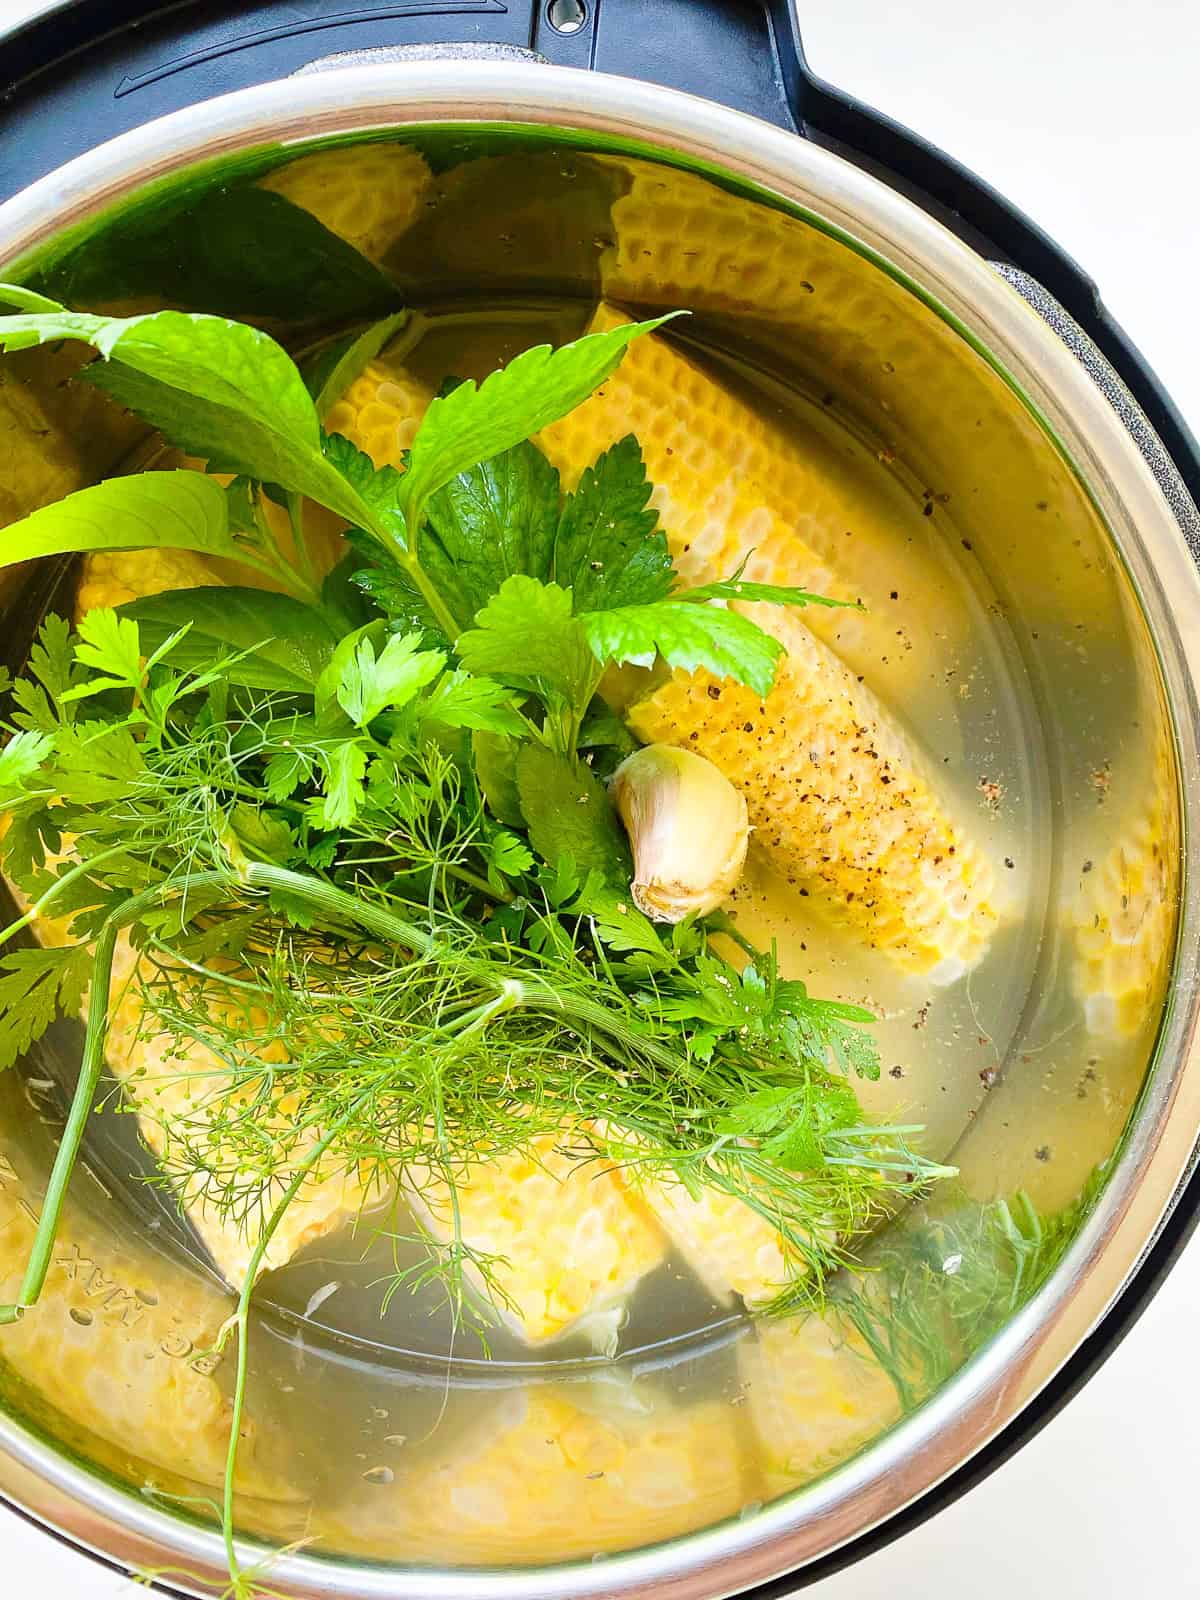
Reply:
x=997, y=1384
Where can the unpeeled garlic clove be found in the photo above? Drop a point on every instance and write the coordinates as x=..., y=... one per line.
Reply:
x=688, y=828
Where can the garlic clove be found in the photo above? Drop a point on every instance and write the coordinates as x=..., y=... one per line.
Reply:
x=687, y=826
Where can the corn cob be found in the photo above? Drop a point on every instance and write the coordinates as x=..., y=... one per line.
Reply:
x=1124, y=913
x=369, y=195
x=733, y=487
x=837, y=801
x=564, y=1474
x=814, y=1396
x=679, y=240
x=123, y=1355
x=730, y=1247
x=380, y=412
x=566, y=1240
x=115, y=577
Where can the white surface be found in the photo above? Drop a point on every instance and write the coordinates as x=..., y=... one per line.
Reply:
x=1085, y=113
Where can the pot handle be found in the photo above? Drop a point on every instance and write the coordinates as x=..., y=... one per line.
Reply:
x=1117, y=392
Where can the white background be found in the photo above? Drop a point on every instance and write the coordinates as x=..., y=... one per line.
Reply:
x=1087, y=114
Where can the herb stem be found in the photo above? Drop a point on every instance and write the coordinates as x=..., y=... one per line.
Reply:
x=304, y=560
x=280, y=573
x=40, y=905
x=38, y=1266
x=512, y=994
x=475, y=881
x=430, y=594
x=241, y=1318
x=325, y=897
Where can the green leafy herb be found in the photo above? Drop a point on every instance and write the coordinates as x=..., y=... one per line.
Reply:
x=369, y=685
x=343, y=360
x=240, y=250
x=474, y=423
x=610, y=551
x=282, y=643
x=528, y=637
x=569, y=815
x=166, y=510
x=461, y=701
x=36, y=986
x=770, y=593
x=19, y=760
x=495, y=755
x=691, y=638
x=492, y=521
x=940, y=1284
x=217, y=389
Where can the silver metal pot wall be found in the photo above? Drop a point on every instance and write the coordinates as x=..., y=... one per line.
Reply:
x=554, y=186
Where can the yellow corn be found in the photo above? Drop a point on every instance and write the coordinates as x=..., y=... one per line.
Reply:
x=561, y=1473
x=370, y=195
x=730, y=1247
x=837, y=801
x=380, y=412
x=172, y=1091
x=814, y=1396
x=732, y=487
x=120, y=1345
x=567, y=1240
x=115, y=577
x=1124, y=913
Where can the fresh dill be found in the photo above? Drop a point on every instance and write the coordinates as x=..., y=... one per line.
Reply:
x=936, y=1291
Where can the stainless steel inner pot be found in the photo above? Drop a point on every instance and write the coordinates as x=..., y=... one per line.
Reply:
x=539, y=184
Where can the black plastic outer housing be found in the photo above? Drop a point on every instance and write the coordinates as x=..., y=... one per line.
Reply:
x=88, y=70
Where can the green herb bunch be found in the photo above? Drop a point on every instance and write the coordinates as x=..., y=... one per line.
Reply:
x=357, y=825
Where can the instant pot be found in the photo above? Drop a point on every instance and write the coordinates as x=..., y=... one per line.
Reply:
x=661, y=152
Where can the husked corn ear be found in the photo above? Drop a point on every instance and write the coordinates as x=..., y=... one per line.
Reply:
x=370, y=194
x=173, y=1092
x=565, y=1238
x=732, y=487
x=1124, y=915
x=558, y=1478
x=713, y=515
x=117, y=1345
x=730, y=1247
x=814, y=1396
x=380, y=412
x=837, y=801
x=115, y=577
